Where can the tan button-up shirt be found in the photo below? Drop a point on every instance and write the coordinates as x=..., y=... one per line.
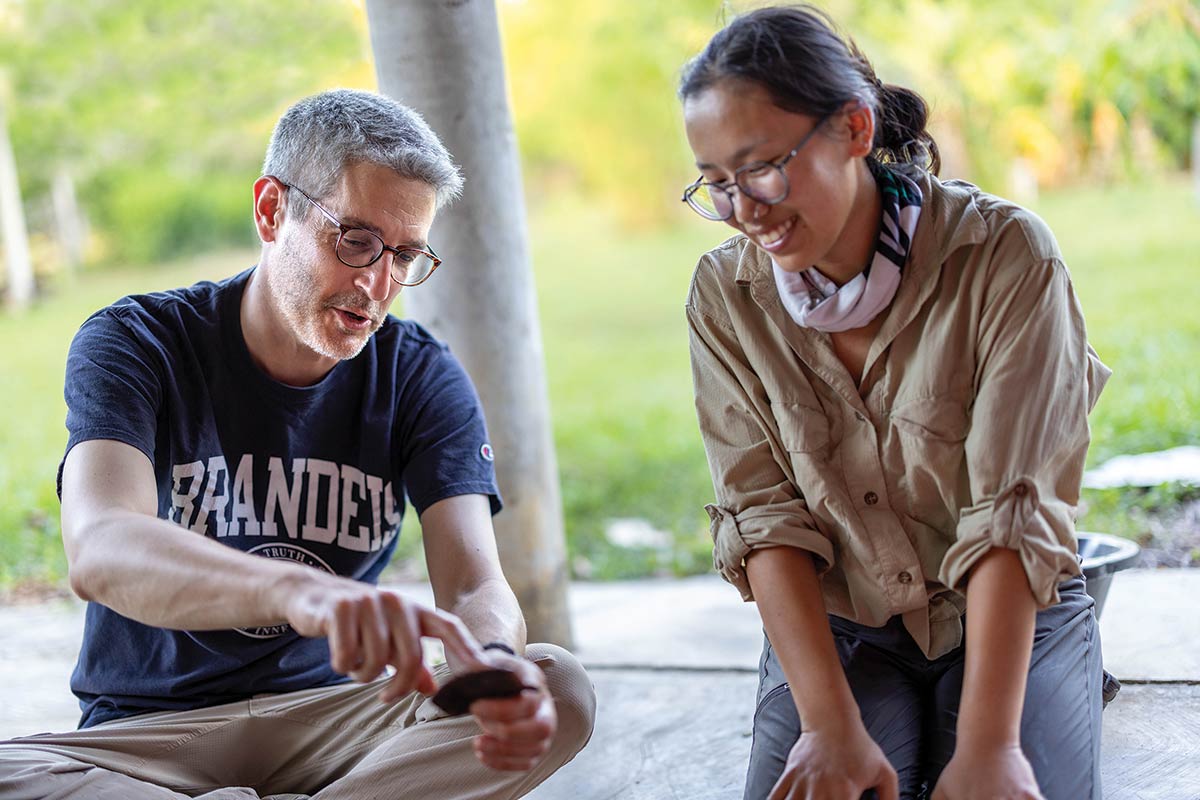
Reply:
x=967, y=431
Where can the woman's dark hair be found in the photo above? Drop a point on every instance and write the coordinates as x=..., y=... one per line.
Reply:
x=796, y=54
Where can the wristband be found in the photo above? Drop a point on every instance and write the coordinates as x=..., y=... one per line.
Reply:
x=499, y=646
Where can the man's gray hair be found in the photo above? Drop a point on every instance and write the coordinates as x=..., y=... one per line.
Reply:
x=320, y=136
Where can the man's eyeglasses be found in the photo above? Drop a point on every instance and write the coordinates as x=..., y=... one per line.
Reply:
x=762, y=181
x=359, y=247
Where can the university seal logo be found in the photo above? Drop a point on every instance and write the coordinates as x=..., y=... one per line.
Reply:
x=289, y=552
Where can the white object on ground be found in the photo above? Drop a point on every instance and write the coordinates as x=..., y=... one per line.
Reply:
x=635, y=532
x=1147, y=469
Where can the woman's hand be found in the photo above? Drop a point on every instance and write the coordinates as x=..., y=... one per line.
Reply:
x=995, y=774
x=836, y=764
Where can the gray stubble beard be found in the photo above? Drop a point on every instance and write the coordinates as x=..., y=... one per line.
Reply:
x=289, y=285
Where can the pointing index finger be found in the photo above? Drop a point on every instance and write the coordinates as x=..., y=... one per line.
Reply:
x=458, y=641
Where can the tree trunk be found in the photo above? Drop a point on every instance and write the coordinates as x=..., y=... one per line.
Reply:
x=69, y=222
x=443, y=58
x=12, y=225
x=1196, y=156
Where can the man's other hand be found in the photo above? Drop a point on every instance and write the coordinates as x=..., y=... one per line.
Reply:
x=517, y=731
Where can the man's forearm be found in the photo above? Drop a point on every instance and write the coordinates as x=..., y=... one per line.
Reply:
x=465, y=573
x=1000, y=622
x=159, y=574
x=491, y=612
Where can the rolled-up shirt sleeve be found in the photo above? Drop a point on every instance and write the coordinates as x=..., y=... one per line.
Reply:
x=757, y=502
x=1036, y=380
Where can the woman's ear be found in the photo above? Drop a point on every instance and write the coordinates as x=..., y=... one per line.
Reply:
x=860, y=126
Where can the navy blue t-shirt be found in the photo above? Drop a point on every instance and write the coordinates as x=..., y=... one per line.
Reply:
x=314, y=474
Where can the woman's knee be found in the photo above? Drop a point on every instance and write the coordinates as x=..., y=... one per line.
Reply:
x=776, y=729
x=1060, y=724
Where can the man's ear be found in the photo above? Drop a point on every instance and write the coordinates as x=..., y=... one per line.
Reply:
x=860, y=125
x=269, y=194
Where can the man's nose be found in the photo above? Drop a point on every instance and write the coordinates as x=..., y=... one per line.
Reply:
x=376, y=280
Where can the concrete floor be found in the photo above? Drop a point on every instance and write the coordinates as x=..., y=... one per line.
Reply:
x=675, y=669
x=674, y=666
x=676, y=734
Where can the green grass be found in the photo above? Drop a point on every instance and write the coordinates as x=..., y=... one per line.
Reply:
x=1134, y=512
x=616, y=348
x=1134, y=252
x=620, y=385
x=33, y=353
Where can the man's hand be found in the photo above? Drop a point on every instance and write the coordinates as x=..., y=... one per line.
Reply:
x=998, y=774
x=836, y=764
x=371, y=628
x=517, y=731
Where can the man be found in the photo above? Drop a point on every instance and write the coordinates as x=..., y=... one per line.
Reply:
x=283, y=415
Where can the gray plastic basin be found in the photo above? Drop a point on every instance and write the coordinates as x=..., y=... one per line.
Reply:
x=1103, y=555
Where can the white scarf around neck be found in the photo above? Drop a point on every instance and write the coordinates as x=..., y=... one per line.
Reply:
x=815, y=301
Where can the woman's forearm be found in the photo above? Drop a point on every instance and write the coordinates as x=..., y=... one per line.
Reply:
x=1000, y=624
x=788, y=593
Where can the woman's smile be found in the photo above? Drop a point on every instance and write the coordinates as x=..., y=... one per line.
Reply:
x=776, y=237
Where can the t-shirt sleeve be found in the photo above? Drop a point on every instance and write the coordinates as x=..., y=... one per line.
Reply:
x=113, y=387
x=444, y=440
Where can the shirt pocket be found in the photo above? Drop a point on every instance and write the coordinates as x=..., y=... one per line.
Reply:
x=934, y=419
x=929, y=437
x=802, y=429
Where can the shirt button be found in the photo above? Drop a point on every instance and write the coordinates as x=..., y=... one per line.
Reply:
x=870, y=498
x=904, y=577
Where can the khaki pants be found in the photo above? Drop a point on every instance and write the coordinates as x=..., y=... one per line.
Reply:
x=328, y=743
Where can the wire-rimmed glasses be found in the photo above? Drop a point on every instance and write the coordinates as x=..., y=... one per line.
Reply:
x=762, y=181
x=359, y=247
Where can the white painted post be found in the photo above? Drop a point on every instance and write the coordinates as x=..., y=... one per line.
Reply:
x=12, y=225
x=443, y=58
x=69, y=222
x=1196, y=156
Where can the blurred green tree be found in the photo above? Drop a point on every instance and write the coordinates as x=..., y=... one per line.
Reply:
x=1088, y=89
x=593, y=89
x=159, y=112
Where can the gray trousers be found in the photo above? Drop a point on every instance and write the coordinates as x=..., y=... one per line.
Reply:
x=330, y=743
x=910, y=704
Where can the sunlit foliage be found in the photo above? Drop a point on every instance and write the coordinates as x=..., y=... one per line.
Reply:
x=159, y=111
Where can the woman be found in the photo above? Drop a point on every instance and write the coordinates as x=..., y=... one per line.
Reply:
x=892, y=380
